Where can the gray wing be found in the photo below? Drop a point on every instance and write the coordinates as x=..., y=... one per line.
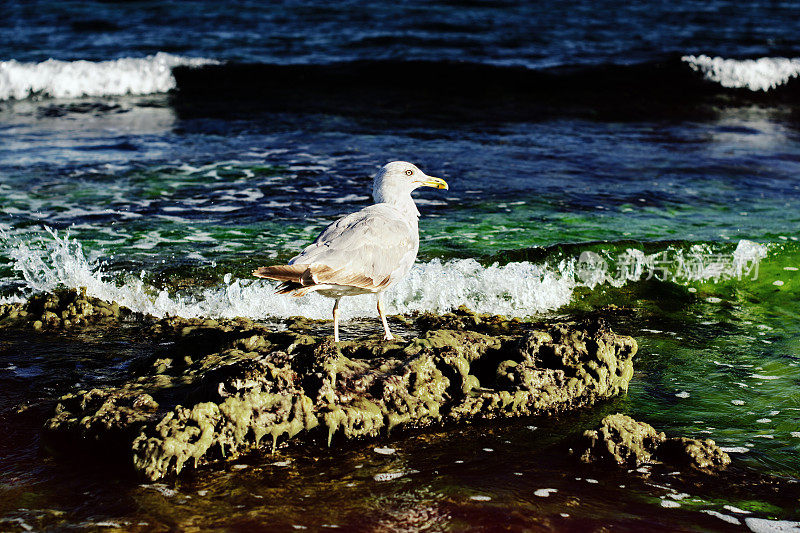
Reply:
x=368, y=249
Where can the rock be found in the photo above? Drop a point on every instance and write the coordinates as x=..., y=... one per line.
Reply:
x=213, y=389
x=622, y=440
x=106, y=416
x=64, y=309
x=703, y=454
x=626, y=442
x=226, y=387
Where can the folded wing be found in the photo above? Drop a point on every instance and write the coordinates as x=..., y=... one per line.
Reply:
x=368, y=249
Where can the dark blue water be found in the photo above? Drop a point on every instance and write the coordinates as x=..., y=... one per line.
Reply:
x=536, y=34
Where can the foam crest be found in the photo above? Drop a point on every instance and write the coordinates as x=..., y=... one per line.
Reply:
x=458, y=282
x=72, y=79
x=697, y=263
x=46, y=264
x=515, y=289
x=760, y=74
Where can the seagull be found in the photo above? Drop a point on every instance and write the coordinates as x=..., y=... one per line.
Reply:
x=364, y=252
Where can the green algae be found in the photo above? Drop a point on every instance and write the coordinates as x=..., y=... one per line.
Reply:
x=229, y=401
x=61, y=310
x=220, y=388
x=624, y=441
x=102, y=415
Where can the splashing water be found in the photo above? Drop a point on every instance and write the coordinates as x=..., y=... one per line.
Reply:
x=70, y=79
x=761, y=74
x=517, y=289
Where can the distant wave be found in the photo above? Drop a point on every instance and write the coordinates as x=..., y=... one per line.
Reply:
x=687, y=87
x=761, y=74
x=422, y=89
x=516, y=289
x=71, y=79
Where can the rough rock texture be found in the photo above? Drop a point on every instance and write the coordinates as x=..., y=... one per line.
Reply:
x=102, y=415
x=624, y=441
x=215, y=389
x=61, y=310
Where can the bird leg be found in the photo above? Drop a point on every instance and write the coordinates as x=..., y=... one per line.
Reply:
x=336, y=320
x=387, y=336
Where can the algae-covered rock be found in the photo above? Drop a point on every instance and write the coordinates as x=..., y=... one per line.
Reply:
x=214, y=389
x=624, y=441
x=466, y=319
x=703, y=454
x=102, y=415
x=63, y=309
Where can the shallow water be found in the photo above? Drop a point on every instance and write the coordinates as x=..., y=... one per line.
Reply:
x=686, y=195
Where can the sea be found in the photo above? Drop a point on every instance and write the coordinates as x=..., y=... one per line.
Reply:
x=601, y=155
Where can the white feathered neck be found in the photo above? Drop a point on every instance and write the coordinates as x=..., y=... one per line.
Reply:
x=395, y=191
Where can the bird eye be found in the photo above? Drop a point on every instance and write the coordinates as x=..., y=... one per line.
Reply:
x=409, y=172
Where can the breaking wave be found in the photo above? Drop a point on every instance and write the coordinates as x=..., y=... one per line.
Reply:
x=761, y=74
x=661, y=86
x=71, y=79
x=515, y=289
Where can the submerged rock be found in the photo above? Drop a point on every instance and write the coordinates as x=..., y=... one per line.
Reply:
x=624, y=441
x=214, y=389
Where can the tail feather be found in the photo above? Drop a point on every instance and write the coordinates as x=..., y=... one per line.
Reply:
x=288, y=286
x=281, y=272
x=295, y=278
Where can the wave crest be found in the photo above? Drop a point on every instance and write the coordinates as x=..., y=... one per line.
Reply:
x=72, y=79
x=761, y=74
x=643, y=88
x=516, y=289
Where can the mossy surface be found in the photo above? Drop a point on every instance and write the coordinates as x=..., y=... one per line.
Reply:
x=624, y=441
x=219, y=388
x=61, y=310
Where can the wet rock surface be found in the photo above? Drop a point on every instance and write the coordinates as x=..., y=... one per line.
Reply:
x=61, y=310
x=213, y=390
x=627, y=442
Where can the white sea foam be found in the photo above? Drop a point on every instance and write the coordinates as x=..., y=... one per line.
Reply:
x=515, y=289
x=763, y=525
x=734, y=449
x=727, y=518
x=389, y=476
x=384, y=450
x=733, y=509
x=760, y=74
x=72, y=79
x=14, y=299
x=761, y=376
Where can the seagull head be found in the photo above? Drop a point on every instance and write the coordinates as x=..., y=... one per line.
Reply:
x=400, y=178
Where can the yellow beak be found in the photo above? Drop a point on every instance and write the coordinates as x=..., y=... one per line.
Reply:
x=436, y=183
